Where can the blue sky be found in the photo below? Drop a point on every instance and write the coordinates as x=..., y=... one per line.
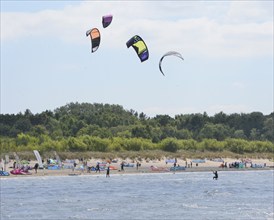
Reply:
x=227, y=48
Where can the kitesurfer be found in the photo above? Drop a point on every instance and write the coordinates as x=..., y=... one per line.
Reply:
x=215, y=175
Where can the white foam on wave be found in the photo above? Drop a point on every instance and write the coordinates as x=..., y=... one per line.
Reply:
x=269, y=216
x=194, y=206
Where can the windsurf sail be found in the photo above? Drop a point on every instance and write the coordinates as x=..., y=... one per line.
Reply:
x=38, y=157
x=18, y=162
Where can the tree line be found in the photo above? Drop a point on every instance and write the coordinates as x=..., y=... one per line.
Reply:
x=105, y=127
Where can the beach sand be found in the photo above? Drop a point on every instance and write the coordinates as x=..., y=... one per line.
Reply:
x=145, y=167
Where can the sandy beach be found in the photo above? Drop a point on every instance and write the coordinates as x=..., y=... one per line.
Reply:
x=159, y=166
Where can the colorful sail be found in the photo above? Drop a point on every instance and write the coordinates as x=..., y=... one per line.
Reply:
x=95, y=38
x=139, y=46
x=106, y=20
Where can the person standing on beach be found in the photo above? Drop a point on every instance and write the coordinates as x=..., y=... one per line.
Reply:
x=73, y=166
x=36, y=167
x=137, y=165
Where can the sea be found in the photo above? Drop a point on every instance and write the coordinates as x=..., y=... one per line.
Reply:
x=241, y=195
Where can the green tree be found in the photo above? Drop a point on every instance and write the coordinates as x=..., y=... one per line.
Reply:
x=25, y=140
x=236, y=145
x=183, y=134
x=211, y=145
x=220, y=118
x=254, y=134
x=268, y=129
x=141, y=131
x=163, y=120
x=23, y=125
x=38, y=130
x=170, y=145
x=76, y=144
x=215, y=131
x=239, y=134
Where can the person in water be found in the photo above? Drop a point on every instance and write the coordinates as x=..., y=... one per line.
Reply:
x=215, y=175
x=122, y=166
x=97, y=168
x=107, y=175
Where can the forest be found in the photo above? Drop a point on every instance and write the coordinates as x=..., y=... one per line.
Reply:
x=81, y=127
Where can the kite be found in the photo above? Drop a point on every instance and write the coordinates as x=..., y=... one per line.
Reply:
x=139, y=46
x=106, y=20
x=95, y=38
x=174, y=53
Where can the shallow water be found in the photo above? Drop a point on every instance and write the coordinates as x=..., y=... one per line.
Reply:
x=235, y=195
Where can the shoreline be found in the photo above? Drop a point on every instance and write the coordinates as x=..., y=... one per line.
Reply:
x=161, y=167
x=63, y=173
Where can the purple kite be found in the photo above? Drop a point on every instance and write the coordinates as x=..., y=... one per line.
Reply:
x=106, y=20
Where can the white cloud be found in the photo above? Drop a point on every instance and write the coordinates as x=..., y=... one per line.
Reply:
x=201, y=32
x=249, y=11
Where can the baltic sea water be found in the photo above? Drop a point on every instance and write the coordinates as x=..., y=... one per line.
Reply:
x=240, y=195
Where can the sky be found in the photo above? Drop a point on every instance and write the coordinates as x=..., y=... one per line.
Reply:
x=227, y=46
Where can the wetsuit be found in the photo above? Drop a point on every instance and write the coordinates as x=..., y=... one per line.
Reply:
x=36, y=167
x=216, y=175
x=107, y=172
x=97, y=168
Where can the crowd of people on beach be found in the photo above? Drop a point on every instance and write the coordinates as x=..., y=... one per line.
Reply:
x=238, y=164
x=20, y=168
x=84, y=165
